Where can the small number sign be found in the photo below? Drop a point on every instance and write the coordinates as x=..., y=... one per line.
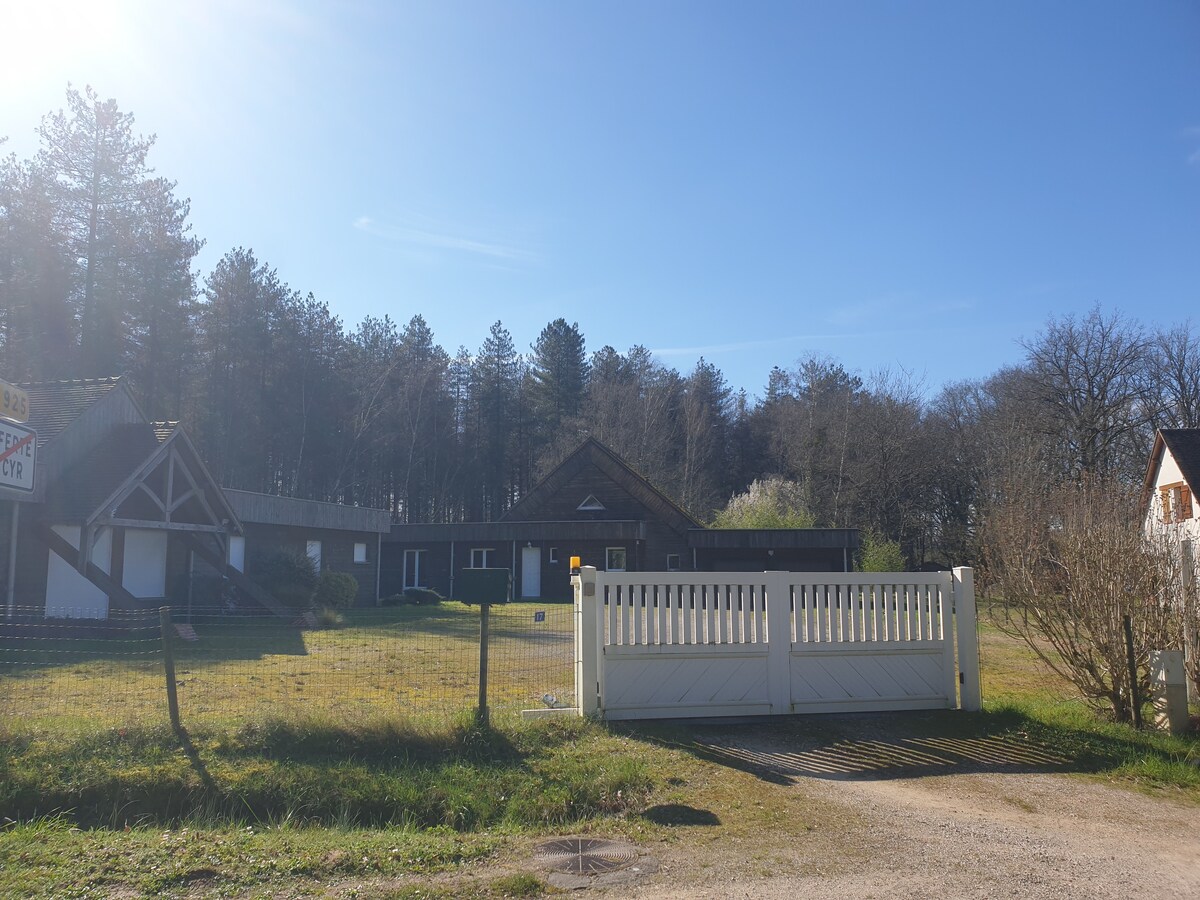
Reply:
x=14, y=402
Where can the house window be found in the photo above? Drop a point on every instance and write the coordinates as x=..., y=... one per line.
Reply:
x=591, y=504
x=237, y=552
x=672, y=562
x=481, y=557
x=1176, y=502
x=414, y=566
x=553, y=554
x=360, y=553
x=313, y=550
x=614, y=559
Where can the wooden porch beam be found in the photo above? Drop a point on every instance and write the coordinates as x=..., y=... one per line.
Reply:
x=92, y=572
x=240, y=580
x=141, y=485
x=165, y=526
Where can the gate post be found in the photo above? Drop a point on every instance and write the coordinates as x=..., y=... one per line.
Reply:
x=779, y=641
x=970, y=697
x=588, y=649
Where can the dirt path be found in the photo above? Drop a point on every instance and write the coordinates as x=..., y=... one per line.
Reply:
x=957, y=834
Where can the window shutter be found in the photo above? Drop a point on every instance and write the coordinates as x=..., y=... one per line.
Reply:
x=1185, y=503
x=1166, y=504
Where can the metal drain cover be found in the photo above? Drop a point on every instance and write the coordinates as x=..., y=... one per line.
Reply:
x=585, y=856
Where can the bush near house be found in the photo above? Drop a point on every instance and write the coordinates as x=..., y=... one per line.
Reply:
x=335, y=590
x=422, y=596
x=291, y=578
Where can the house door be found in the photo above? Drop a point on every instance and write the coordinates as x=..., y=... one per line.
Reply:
x=145, y=569
x=531, y=572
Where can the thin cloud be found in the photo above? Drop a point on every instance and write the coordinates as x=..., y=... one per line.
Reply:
x=1193, y=135
x=872, y=310
x=429, y=239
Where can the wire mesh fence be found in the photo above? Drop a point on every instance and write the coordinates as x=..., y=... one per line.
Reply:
x=231, y=669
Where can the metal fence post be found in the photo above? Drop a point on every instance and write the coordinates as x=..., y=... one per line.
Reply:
x=481, y=714
x=1135, y=696
x=970, y=693
x=164, y=618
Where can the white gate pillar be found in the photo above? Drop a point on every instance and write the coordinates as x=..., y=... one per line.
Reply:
x=970, y=695
x=588, y=644
x=779, y=641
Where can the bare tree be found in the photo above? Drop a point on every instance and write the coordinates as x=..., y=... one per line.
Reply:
x=1175, y=371
x=1064, y=564
x=1090, y=391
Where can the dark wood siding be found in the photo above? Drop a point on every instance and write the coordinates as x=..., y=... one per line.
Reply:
x=337, y=551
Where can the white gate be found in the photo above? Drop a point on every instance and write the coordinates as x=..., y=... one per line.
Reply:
x=661, y=645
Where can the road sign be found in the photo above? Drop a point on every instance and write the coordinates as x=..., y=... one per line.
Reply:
x=18, y=451
x=14, y=402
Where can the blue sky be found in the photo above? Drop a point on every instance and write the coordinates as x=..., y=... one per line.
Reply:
x=910, y=186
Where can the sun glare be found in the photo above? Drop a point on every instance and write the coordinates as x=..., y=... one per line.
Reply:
x=51, y=38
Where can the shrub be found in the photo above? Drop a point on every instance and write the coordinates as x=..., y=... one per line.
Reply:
x=393, y=600
x=418, y=596
x=1066, y=563
x=881, y=555
x=291, y=578
x=769, y=503
x=336, y=590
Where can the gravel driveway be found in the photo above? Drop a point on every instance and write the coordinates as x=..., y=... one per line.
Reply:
x=930, y=818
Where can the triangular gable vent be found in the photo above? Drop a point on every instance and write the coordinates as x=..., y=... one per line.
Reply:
x=590, y=504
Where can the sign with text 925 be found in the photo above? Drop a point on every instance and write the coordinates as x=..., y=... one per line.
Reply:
x=14, y=402
x=18, y=451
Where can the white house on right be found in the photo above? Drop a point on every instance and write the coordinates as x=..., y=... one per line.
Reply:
x=1172, y=479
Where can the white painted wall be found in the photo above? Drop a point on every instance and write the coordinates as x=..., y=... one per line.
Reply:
x=68, y=594
x=145, y=567
x=1169, y=473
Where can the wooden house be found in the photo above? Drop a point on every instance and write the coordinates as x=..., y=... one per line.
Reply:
x=125, y=510
x=595, y=506
x=335, y=537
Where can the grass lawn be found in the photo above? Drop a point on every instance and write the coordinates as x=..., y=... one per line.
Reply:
x=421, y=661
x=322, y=769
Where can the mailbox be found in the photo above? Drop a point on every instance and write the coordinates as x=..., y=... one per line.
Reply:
x=474, y=586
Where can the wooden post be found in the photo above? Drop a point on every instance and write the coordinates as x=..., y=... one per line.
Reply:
x=969, y=690
x=481, y=714
x=1135, y=699
x=588, y=645
x=164, y=617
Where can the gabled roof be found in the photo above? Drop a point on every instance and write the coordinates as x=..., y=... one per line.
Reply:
x=53, y=405
x=1184, y=444
x=592, y=452
x=177, y=442
x=79, y=494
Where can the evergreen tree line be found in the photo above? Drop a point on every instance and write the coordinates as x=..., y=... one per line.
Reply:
x=97, y=278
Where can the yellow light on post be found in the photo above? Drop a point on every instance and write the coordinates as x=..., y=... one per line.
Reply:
x=574, y=565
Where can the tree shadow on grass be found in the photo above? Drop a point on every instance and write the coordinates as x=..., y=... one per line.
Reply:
x=886, y=746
